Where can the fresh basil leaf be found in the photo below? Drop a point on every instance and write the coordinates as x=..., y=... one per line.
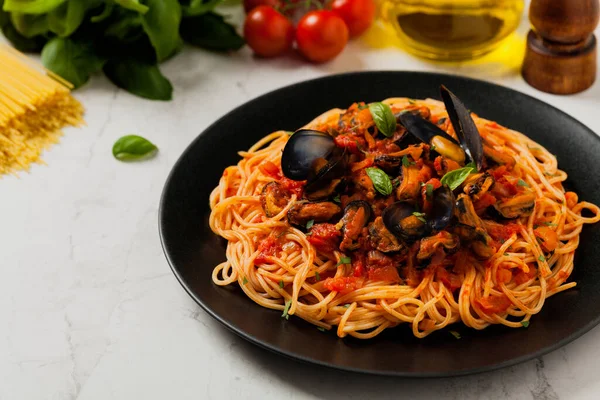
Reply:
x=20, y=42
x=198, y=7
x=73, y=60
x=66, y=18
x=133, y=147
x=106, y=13
x=32, y=6
x=310, y=223
x=210, y=31
x=133, y=5
x=384, y=118
x=161, y=24
x=455, y=178
x=139, y=78
x=30, y=25
x=381, y=181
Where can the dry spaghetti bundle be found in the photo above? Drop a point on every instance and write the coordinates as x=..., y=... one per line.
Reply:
x=34, y=106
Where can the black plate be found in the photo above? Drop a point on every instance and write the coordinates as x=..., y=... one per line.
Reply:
x=193, y=250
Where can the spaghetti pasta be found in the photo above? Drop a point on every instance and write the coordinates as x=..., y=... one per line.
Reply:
x=283, y=266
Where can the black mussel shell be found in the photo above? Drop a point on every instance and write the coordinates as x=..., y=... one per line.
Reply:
x=399, y=218
x=333, y=170
x=350, y=212
x=423, y=129
x=442, y=210
x=302, y=150
x=464, y=126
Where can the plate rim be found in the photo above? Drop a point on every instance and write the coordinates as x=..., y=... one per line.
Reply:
x=308, y=360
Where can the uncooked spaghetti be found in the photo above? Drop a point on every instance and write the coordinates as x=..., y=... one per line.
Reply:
x=316, y=252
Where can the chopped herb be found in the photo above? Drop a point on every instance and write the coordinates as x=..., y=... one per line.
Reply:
x=321, y=328
x=542, y=258
x=411, y=101
x=344, y=260
x=281, y=284
x=433, y=147
x=285, y=314
x=290, y=132
x=384, y=118
x=317, y=276
x=502, y=240
x=507, y=255
x=455, y=334
x=346, y=305
x=308, y=233
x=245, y=280
x=362, y=106
x=406, y=162
x=549, y=224
x=310, y=223
x=429, y=191
x=521, y=182
x=337, y=199
x=381, y=180
x=455, y=178
x=420, y=216
x=396, y=182
x=525, y=324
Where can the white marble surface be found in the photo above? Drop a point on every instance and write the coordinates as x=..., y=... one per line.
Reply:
x=89, y=308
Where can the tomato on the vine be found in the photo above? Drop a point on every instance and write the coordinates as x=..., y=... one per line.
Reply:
x=321, y=35
x=250, y=5
x=268, y=32
x=357, y=14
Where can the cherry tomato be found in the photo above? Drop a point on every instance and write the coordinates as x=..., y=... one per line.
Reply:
x=321, y=35
x=268, y=32
x=250, y=5
x=357, y=14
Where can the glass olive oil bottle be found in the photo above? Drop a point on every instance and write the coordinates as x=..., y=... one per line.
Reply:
x=452, y=30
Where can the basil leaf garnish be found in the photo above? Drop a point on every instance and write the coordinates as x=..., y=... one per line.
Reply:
x=133, y=147
x=455, y=178
x=381, y=181
x=384, y=118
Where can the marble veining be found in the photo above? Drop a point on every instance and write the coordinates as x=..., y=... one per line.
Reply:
x=88, y=304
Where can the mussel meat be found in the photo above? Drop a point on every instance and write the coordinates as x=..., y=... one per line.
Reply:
x=274, y=198
x=430, y=244
x=517, y=206
x=303, y=211
x=382, y=239
x=410, y=185
x=326, y=175
x=471, y=227
x=464, y=126
x=356, y=216
x=478, y=184
x=301, y=151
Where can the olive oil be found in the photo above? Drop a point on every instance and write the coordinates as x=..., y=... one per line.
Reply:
x=451, y=30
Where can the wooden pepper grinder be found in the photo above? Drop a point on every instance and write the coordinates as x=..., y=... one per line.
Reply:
x=561, y=47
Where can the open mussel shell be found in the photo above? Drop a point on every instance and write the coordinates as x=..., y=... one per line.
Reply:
x=303, y=148
x=356, y=214
x=464, y=126
x=443, y=209
x=399, y=218
x=428, y=132
x=325, y=175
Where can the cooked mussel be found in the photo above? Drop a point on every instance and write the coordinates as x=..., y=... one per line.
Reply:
x=302, y=150
x=356, y=216
x=443, y=208
x=410, y=185
x=478, y=184
x=382, y=239
x=428, y=132
x=430, y=244
x=326, y=175
x=471, y=229
x=403, y=221
x=518, y=206
x=304, y=211
x=464, y=126
x=274, y=198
